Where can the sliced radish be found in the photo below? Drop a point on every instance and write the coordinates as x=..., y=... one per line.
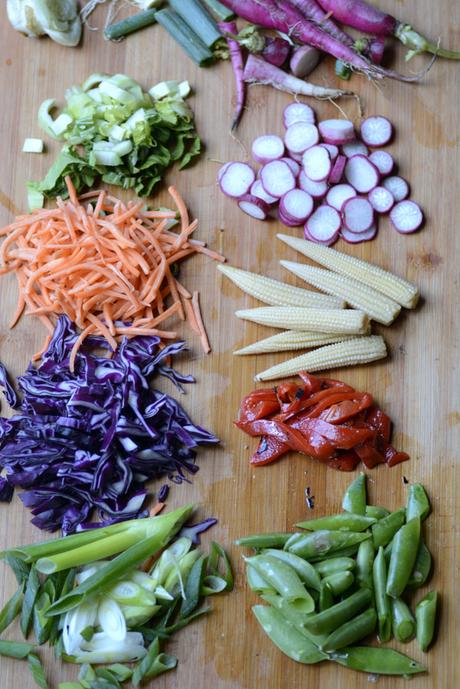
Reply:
x=237, y=179
x=383, y=161
x=323, y=224
x=406, y=216
x=338, y=168
x=397, y=186
x=361, y=174
x=298, y=112
x=316, y=189
x=358, y=215
x=267, y=148
x=337, y=131
x=333, y=150
x=325, y=242
x=337, y=195
x=296, y=206
x=277, y=178
x=381, y=199
x=258, y=190
x=376, y=131
x=300, y=136
x=294, y=165
x=287, y=221
x=355, y=148
x=353, y=238
x=296, y=157
x=316, y=163
x=254, y=207
x=222, y=169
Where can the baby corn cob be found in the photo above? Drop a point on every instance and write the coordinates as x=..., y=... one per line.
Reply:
x=403, y=292
x=360, y=350
x=360, y=296
x=278, y=293
x=347, y=321
x=290, y=340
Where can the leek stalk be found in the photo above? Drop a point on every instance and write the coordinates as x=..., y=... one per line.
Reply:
x=133, y=23
x=199, y=21
x=221, y=12
x=185, y=37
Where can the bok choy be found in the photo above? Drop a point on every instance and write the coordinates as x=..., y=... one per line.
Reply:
x=59, y=19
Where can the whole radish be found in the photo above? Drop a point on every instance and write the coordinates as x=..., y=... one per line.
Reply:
x=276, y=50
x=236, y=57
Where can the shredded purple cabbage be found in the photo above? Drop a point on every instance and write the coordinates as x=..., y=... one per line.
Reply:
x=193, y=531
x=8, y=390
x=91, y=439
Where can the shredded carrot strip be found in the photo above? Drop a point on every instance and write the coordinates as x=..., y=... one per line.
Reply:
x=156, y=509
x=199, y=319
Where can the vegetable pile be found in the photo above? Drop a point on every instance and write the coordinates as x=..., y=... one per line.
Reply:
x=350, y=573
x=89, y=439
x=325, y=178
x=322, y=418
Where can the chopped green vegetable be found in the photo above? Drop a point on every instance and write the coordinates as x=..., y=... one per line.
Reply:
x=36, y=668
x=30, y=595
x=11, y=609
x=199, y=21
x=15, y=649
x=185, y=37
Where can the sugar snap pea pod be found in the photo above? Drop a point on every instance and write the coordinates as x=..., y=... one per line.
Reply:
x=291, y=642
x=326, y=598
x=319, y=543
x=338, y=582
x=338, y=614
x=376, y=512
x=353, y=630
x=425, y=615
x=403, y=555
x=418, y=504
x=257, y=583
x=387, y=551
x=293, y=616
x=382, y=601
x=341, y=552
x=283, y=579
x=264, y=540
x=304, y=569
x=354, y=499
x=364, y=563
x=422, y=566
x=338, y=522
x=403, y=621
x=335, y=564
x=384, y=530
x=377, y=661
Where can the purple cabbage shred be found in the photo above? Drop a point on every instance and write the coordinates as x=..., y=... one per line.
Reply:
x=193, y=531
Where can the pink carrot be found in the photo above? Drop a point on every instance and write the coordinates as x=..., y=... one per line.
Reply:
x=236, y=56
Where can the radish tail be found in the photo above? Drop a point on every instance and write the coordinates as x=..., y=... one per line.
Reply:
x=419, y=44
x=236, y=57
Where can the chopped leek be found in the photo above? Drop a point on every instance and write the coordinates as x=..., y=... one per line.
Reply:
x=33, y=146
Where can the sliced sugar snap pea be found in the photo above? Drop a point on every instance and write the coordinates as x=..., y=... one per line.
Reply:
x=403, y=622
x=304, y=569
x=403, y=555
x=284, y=579
x=376, y=512
x=264, y=540
x=422, y=566
x=341, y=552
x=326, y=597
x=338, y=614
x=339, y=582
x=382, y=600
x=384, y=530
x=364, y=563
x=333, y=565
x=256, y=582
x=425, y=615
x=350, y=632
x=338, y=522
x=320, y=543
x=377, y=661
x=293, y=616
x=418, y=504
x=354, y=499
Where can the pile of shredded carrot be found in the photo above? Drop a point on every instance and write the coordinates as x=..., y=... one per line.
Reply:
x=105, y=264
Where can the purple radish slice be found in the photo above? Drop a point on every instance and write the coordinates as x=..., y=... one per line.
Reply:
x=376, y=131
x=293, y=164
x=337, y=131
x=381, y=199
x=353, y=238
x=383, y=161
x=337, y=195
x=354, y=148
x=358, y=215
x=303, y=61
x=333, y=150
x=361, y=174
x=258, y=190
x=296, y=206
x=267, y=148
x=287, y=221
x=277, y=178
x=316, y=189
x=296, y=156
x=323, y=224
x=222, y=170
x=397, y=186
x=337, y=170
x=326, y=242
x=298, y=112
x=237, y=180
x=254, y=207
x=316, y=163
x=406, y=216
x=300, y=136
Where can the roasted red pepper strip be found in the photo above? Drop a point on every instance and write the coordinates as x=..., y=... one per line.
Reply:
x=393, y=457
x=269, y=450
x=377, y=419
x=362, y=401
x=369, y=455
x=314, y=445
x=323, y=397
x=345, y=461
x=311, y=383
x=258, y=405
x=343, y=437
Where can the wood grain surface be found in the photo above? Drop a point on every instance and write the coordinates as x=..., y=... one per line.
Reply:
x=418, y=385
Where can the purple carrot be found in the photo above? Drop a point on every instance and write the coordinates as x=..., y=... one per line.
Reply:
x=360, y=15
x=236, y=57
x=276, y=50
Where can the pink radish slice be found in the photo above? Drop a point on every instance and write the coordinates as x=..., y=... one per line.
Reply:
x=355, y=148
x=298, y=112
x=383, y=161
x=296, y=206
x=353, y=238
x=287, y=221
x=254, y=207
x=333, y=150
x=222, y=170
x=376, y=131
x=267, y=148
x=326, y=242
x=294, y=165
x=337, y=131
x=316, y=189
x=323, y=224
x=406, y=216
x=361, y=174
x=337, y=170
x=300, y=136
x=358, y=215
x=258, y=190
x=237, y=180
x=316, y=163
x=381, y=199
x=277, y=178
x=297, y=157
x=397, y=186
x=337, y=195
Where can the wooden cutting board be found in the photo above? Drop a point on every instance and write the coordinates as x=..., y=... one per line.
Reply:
x=417, y=385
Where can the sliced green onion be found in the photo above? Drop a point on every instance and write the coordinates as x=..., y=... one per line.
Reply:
x=121, y=672
x=37, y=670
x=42, y=623
x=103, y=649
x=11, y=609
x=129, y=25
x=15, y=649
x=45, y=120
x=143, y=580
x=130, y=593
x=217, y=556
x=199, y=20
x=136, y=615
x=185, y=565
x=70, y=685
x=162, y=594
x=20, y=568
x=111, y=619
x=193, y=587
x=87, y=633
x=212, y=585
x=76, y=621
x=30, y=596
x=221, y=12
x=184, y=621
x=185, y=37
